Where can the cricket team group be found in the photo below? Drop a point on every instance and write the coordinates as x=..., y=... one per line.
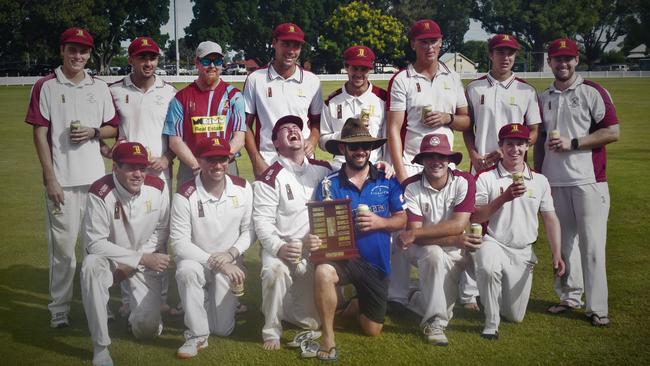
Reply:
x=392, y=157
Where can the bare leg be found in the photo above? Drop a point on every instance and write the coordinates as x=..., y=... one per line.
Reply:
x=271, y=345
x=325, y=280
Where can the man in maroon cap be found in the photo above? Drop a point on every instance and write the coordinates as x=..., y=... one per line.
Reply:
x=69, y=111
x=439, y=203
x=358, y=98
x=125, y=232
x=281, y=89
x=579, y=120
x=426, y=97
x=495, y=100
x=141, y=100
x=509, y=197
x=211, y=229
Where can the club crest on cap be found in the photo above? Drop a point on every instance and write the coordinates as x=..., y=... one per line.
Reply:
x=514, y=128
x=562, y=44
x=362, y=53
x=292, y=29
x=136, y=150
x=145, y=42
x=505, y=37
x=215, y=142
x=80, y=32
x=435, y=141
x=426, y=25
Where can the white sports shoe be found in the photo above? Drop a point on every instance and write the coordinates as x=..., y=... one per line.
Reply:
x=102, y=358
x=191, y=347
x=435, y=333
x=59, y=320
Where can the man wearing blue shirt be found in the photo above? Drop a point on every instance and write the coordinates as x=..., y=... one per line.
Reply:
x=363, y=183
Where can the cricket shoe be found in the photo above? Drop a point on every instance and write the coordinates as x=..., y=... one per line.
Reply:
x=434, y=333
x=191, y=347
x=59, y=320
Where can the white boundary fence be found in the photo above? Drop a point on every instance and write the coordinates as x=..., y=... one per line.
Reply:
x=30, y=80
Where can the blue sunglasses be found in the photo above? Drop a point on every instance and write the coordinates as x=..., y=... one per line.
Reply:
x=205, y=62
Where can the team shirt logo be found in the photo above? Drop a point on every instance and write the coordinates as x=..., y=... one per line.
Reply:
x=512, y=101
x=289, y=192
x=147, y=206
x=207, y=124
x=434, y=141
x=417, y=86
x=200, y=208
x=269, y=92
x=235, y=202
x=339, y=111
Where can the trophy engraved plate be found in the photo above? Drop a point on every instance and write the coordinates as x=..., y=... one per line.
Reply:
x=333, y=222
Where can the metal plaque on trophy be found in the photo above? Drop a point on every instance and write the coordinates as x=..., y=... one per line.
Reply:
x=333, y=222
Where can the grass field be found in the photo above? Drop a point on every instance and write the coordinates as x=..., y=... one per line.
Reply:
x=26, y=339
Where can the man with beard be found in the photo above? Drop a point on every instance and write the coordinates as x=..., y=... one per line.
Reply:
x=281, y=223
x=141, y=100
x=207, y=108
x=210, y=229
x=439, y=203
x=509, y=207
x=69, y=111
x=357, y=98
x=281, y=89
x=360, y=181
x=579, y=120
x=125, y=232
x=424, y=98
x=495, y=100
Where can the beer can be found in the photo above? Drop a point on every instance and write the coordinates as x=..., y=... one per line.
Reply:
x=555, y=134
x=365, y=115
x=426, y=110
x=297, y=242
x=363, y=208
x=517, y=177
x=476, y=229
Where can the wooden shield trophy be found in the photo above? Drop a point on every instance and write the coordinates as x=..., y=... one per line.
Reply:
x=332, y=221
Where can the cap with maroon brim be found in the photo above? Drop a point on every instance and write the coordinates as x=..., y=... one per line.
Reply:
x=437, y=144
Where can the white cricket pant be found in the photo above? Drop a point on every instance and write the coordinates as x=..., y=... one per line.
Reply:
x=504, y=276
x=286, y=296
x=438, y=273
x=62, y=232
x=583, y=212
x=467, y=288
x=206, y=312
x=144, y=299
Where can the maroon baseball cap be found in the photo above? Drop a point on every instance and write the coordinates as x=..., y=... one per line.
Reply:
x=503, y=40
x=425, y=28
x=130, y=153
x=289, y=32
x=215, y=146
x=143, y=44
x=283, y=121
x=563, y=47
x=359, y=56
x=514, y=131
x=437, y=144
x=76, y=35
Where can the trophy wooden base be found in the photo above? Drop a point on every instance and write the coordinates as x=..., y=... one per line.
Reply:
x=332, y=222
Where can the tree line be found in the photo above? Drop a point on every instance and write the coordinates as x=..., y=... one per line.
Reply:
x=30, y=28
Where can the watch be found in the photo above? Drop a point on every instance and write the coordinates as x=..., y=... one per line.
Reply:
x=574, y=144
x=451, y=118
x=96, y=134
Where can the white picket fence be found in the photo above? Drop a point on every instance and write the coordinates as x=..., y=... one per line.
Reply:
x=30, y=80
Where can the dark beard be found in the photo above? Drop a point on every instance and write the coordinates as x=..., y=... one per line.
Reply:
x=354, y=166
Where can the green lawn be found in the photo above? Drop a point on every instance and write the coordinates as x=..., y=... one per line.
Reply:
x=25, y=336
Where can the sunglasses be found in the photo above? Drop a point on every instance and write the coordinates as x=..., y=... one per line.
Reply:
x=205, y=62
x=360, y=146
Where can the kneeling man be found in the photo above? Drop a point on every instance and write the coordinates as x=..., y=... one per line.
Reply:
x=508, y=197
x=439, y=204
x=125, y=232
x=210, y=228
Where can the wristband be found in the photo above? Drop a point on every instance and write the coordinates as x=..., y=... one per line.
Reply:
x=575, y=144
x=451, y=118
x=96, y=134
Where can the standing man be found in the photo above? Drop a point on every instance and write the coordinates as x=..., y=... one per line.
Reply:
x=363, y=183
x=509, y=207
x=210, y=229
x=579, y=120
x=70, y=111
x=125, y=231
x=281, y=89
x=142, y=100
x=358, y=98
x=439, y=204
x=425, y=98
x=281, y=222
x=495, y=100
x=207, y=108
